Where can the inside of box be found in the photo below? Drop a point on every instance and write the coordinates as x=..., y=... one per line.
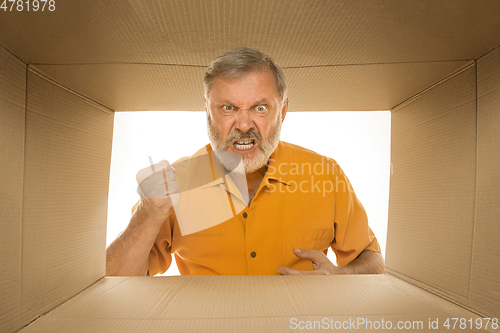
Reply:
x=59, y=90
x=253, y=304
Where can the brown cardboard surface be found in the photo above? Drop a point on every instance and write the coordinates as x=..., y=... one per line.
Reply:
x=395, y=40
x=12, y=100
x=367, y=87
x=242, y=304
x=300, y=33
x=134, y=87
x=431, y=206
x=484, y=292
x=161, y=87
x=66, y=170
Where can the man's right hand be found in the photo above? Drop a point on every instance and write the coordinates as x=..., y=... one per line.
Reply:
x=158, y=190
x=129, y=252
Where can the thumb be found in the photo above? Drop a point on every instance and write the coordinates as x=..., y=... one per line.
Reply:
x=308, y=254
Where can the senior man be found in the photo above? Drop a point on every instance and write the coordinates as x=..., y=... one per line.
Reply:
x=298, y=204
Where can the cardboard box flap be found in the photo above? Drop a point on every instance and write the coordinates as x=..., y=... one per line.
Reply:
x=145, y=87
x=311, y=37
x=12, y=102
x=431, y=205
x=66, y=172
x=484, y=291
x=301, y=34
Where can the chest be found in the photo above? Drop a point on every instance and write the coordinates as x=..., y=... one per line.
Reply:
x=260, y=238
x=252, y=191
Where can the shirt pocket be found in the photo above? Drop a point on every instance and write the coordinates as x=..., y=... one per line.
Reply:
x=313, y=239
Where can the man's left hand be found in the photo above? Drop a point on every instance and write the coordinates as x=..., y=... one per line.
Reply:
x=367, y=262
x=321, y=264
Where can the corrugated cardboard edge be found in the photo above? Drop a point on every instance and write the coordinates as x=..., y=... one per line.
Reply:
x=435, y=291
x=471, y=63
x=484, y=287
x=12, y=138
x=408, y=101
x=59, y=305
x=41, y=74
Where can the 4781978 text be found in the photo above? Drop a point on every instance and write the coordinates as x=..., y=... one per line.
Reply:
x=470, y=324
x=28, y=5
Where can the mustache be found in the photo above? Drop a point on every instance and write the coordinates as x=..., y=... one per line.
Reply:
x=240, y=135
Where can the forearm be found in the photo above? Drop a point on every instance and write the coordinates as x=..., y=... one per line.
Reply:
x=368, y=262
x=128, y=254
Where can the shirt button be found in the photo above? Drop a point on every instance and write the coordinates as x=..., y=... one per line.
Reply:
x=253, y=254
x=245, y=215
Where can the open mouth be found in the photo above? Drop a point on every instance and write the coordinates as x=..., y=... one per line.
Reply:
x=244, y=144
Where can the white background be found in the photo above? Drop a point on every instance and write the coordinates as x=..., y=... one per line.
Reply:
x=358, y=141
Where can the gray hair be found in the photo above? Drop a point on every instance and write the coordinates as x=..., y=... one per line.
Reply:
x=243, y=60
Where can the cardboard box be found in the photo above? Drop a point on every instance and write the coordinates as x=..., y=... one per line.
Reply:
x=63, y=74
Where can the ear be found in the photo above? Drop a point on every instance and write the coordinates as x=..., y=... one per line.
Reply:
x=284, y=110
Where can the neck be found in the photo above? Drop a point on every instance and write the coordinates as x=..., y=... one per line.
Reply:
x=255, y=178
x=257, y=175
x=253, y=181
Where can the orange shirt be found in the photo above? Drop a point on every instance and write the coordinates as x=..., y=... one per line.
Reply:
x=304, y=201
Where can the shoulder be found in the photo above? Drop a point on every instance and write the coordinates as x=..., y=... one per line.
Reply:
x=298, y=153
x=196, y=167
x=199, y=153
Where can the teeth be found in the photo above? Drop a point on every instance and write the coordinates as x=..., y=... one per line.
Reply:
x=244, y=145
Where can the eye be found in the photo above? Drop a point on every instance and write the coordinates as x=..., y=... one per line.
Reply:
x=227, y=108
x=261, y=108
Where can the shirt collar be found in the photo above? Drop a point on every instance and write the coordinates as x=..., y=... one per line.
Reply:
x=223, y=178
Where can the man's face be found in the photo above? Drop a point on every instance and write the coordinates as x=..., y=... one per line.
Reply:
x=244, y=116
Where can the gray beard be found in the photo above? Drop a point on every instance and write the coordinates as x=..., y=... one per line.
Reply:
x=265, y=148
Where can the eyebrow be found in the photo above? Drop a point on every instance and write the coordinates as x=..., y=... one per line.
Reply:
x=259, y=102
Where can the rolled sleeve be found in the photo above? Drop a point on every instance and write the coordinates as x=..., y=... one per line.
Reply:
x=160, y=256
x=352, y=235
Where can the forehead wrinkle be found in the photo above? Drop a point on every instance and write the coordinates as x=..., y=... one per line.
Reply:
x=262, y=101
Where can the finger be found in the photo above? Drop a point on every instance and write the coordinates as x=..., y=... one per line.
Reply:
x=172, y=187
x=155, y=169
x=312, y=255
x=169, y=173
x=162, y=190
x=150, y=182
x=157, y=188
x=163, y=164
x=283, y=270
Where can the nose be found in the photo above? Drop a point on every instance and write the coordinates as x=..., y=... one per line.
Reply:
x=244, y=121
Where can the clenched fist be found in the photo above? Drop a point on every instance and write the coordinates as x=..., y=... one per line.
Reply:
x=158, y=189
